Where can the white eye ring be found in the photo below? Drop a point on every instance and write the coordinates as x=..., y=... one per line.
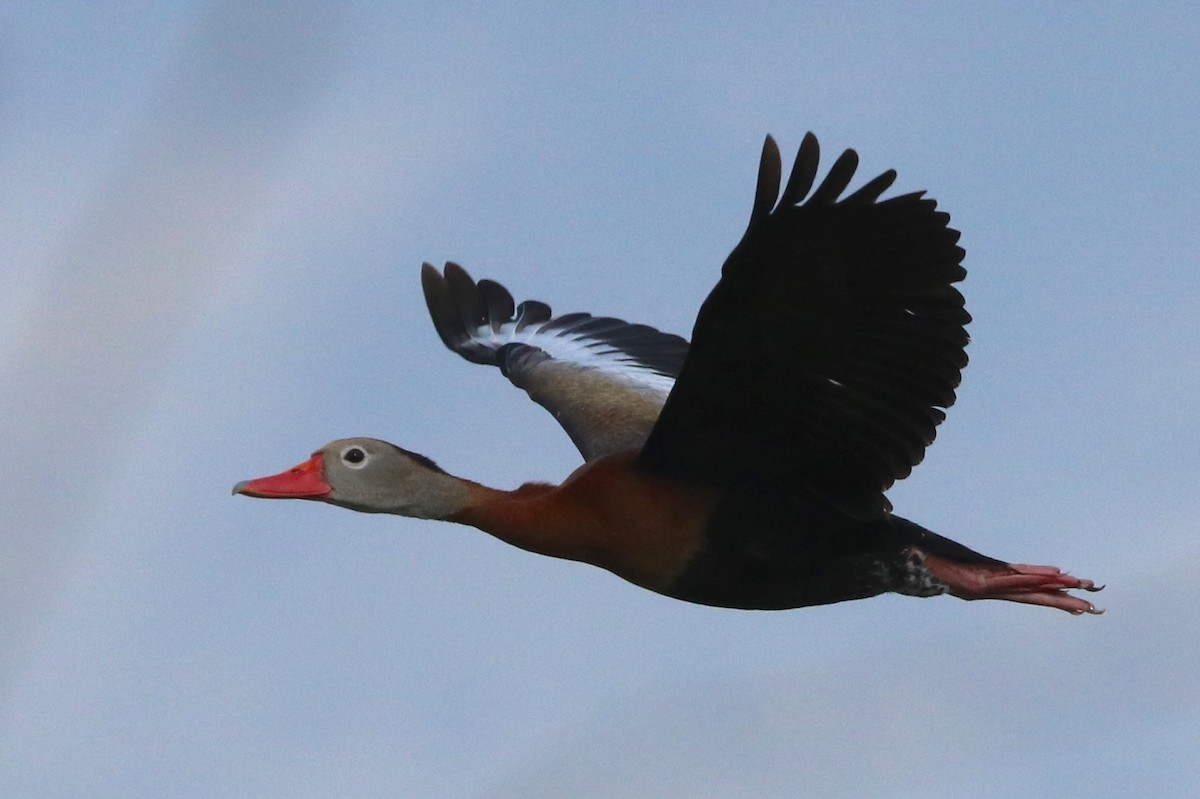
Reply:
x=354, y=457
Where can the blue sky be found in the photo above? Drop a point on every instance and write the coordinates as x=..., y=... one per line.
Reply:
x=211, y=222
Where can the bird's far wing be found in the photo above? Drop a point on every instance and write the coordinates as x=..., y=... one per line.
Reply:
x=825, y=354
x=605, y=380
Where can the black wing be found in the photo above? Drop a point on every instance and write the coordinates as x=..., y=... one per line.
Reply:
x=605, y=380
x=827, y=351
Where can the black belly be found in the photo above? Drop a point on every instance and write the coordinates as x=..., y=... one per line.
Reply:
x=765, y=553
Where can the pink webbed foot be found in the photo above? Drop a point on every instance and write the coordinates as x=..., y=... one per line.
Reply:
x=1014, y=582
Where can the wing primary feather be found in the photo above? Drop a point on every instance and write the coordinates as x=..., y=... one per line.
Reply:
x=804, y=172
x=769, y=171
x=839, y=177
x=466, y=295
x=442, y=308
x=532, y=312
x=872, y=189
x=562, y=325
x=498, y=301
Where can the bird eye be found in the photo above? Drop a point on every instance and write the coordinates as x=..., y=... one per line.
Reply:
x=354, y=456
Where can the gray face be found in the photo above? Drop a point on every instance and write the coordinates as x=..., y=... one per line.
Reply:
x=373, y=476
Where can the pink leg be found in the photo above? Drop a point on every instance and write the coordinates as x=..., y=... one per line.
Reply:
x=1014, y=582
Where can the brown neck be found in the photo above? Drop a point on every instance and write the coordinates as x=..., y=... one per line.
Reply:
x=529, y=518
x=606, y=513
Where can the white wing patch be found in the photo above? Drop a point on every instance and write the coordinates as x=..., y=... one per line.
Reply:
x=580, y=350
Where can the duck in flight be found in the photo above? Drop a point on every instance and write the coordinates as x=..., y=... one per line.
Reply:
x=747, y=469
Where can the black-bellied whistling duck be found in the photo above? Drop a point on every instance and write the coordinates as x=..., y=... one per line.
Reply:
x=749, y=469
